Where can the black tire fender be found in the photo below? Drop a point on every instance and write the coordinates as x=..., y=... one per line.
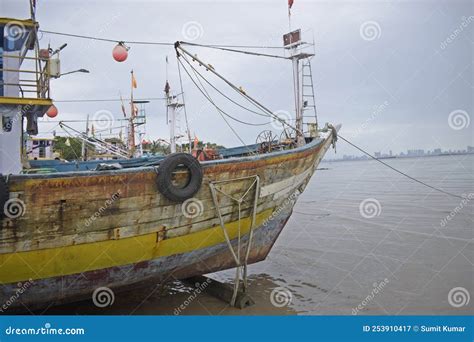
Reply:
x=164, y=180
x=4, y=194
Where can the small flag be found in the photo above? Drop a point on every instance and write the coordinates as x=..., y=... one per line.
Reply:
x=167, y=88
x=123, y=111
x=290, y=3
x=123, y=107
x=134, y=81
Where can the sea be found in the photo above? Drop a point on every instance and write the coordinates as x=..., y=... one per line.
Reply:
x=362, y=240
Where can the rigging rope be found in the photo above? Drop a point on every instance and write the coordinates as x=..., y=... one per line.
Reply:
x=237, y=51
x=155, y=43
x=110, y=100
x=218, y=109
x=249, y=98
x=184, y=104
x=400, y=172
x=104, y=39
x=208, y=97
x=224, y=95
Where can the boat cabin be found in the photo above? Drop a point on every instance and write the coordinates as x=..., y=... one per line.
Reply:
x=24, y=89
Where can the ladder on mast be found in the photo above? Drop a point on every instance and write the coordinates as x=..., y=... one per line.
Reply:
x=309, y=99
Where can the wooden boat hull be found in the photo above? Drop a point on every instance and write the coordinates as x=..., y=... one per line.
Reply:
x=76, y=287
x=74, y=236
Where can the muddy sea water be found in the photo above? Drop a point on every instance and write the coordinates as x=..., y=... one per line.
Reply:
x=362, y=240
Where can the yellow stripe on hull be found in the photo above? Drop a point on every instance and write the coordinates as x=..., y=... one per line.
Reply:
x=54, y=262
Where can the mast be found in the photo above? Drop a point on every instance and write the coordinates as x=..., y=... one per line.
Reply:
x=170, y=112
x=83, y=149
x=172, y=124
x=297, y=88
x=131, y=132
x=292, y=42
x=172, y=105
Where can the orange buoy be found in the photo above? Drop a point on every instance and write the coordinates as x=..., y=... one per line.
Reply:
x=120, y=52
x=52, y=111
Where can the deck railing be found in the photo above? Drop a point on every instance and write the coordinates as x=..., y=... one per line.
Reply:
x=32, y=83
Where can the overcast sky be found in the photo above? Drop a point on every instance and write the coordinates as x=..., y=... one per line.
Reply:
x=391, y=72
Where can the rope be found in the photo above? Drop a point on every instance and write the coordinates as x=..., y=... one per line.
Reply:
x=255, y=102
x=237, y=51
x=218, y=109
x=155, y=43
x=184, y=103
x=104, y=39
x=400, y=172
x=241, y=267
x=224, y=95
x=223, y=112
x=111, y=100
x=227, y=123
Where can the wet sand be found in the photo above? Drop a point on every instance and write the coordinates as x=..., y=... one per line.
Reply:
x=398, y=255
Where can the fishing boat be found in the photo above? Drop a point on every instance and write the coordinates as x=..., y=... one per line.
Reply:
x=68, y=233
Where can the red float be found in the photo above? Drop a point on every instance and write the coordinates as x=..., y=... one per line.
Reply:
x=120, y=52
x=52, y=111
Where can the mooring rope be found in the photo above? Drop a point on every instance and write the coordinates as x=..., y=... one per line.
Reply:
x=400, y=172
x=163, y=43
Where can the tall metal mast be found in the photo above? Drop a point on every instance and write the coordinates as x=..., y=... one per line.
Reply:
x=172, y=105
x=84, y=149
x=131, y=132
x=292, y=42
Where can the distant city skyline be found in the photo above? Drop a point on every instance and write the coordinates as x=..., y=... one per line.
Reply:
x=408, y=154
